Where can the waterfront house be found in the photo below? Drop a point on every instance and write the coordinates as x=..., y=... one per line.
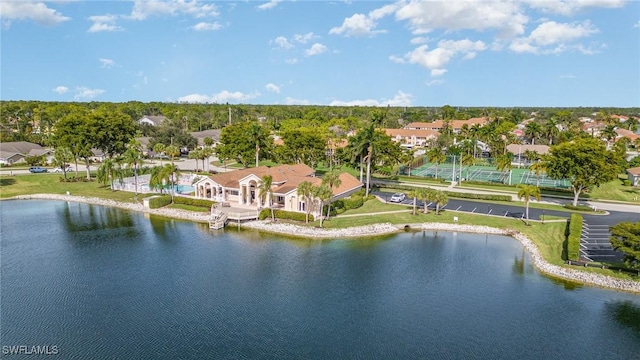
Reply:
x=634, y=176
x=242, y=187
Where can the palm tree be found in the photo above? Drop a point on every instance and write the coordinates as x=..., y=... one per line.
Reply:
x=304, y=190
x=171, y=172
x=322, y=193
x=259, y=134
x=108, y=171
x=62, y=157
x=609, y=133
x=437, y=156
x=158, y=149
x=532, y=131
x=503, y=164
x=206, y=154
x=550, y=129
x=538, y=167
x=132, y=158
x=527, y=192
x=468, y=160
x=195, y=155
x=332, y=180
x=440, y=198
x=415, y=193
x=531, y=155
x=425, y=194
x=266, y=193
x=172, y=151
x=157, y=177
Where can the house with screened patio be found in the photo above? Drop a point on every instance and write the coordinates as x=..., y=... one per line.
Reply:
x=242, y=188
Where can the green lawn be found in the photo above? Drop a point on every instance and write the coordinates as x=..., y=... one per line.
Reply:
x=51, y=184
x=613, y=190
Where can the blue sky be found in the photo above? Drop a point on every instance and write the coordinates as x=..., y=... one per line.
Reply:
x=404, y=53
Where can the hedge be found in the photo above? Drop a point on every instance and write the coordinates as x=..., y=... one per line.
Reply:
x=159, y=201
x=578, y=207
x=573, y=242
x=450, y=194
x=282, y=214
x=193, y=202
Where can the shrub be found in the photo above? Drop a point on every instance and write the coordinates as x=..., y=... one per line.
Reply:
x=451, y=194
x=578, y=207
x=626, y=182
x=281, y=214
x=159, y=201
x=573, y=242
x=353, y=202
x=193, y=202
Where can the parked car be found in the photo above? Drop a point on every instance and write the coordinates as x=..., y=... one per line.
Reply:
x=68, y=169
x=37, y=169
x=397, y=197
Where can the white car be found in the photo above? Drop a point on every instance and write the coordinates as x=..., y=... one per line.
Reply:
x=397, y=197
x=69, y=169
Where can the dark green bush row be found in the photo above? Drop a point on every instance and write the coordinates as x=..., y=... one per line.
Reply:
x=573, y=242
x=75, y=179
x=451, y=194
x=578, y=207
x=160, y=201
x=281, y=214
x=193, y=202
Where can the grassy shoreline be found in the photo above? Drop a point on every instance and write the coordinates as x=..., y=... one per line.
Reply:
x=548, y=237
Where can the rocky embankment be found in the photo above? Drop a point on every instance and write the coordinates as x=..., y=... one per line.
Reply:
x=368, y=230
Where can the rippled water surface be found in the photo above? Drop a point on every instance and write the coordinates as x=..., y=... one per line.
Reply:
x=104, y=283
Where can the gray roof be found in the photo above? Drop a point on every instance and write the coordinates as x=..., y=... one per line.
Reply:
x=200, y=135
x=38, y=152
x=8, y=155
x=156, y=120
x=19, y=147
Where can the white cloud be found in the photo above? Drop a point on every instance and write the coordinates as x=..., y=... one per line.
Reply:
x=636, y=25
x=438, y=72
x=436, y=59
x=30, y=10
x=269, y=5
x=570, y=7
x=434, y=82
x=315, y=49
x=356, y=25
x=304, y=38
x=84, y=93
x=145, y=8
x=204, y=26
x=107, y=63
x=104, y=23
x=551, y=37
x=567, y=76
x=219, y=98
x=400, y=99
x=425, y=16
x=292, y=101
x=61, y=89
x=364, y=25
x=291, y=61
x=272, y=87
x=396, y=59
x=419, y=40
x=282, y=42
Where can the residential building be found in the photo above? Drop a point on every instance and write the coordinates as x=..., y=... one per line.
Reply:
x=455, y=125
x=242, y=187
x=152, y=120
x=634, y=176
x=16, y=151
x=412, y=137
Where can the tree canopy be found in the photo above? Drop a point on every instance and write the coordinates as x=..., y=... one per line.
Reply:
x=585, y=162
x=625, y=237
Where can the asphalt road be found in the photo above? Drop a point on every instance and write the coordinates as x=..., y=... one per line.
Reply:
x=517, y=211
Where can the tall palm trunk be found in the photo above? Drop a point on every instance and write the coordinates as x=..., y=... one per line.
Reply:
x=368, y=170
x=361, y=167
x=257, y=154
x=88, y=168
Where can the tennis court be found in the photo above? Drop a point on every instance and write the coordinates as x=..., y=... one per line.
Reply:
x=487, y=174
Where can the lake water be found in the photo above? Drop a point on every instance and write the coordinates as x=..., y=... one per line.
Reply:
x=100, y=282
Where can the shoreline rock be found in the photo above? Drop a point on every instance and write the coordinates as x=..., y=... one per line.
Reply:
x=368, y=230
